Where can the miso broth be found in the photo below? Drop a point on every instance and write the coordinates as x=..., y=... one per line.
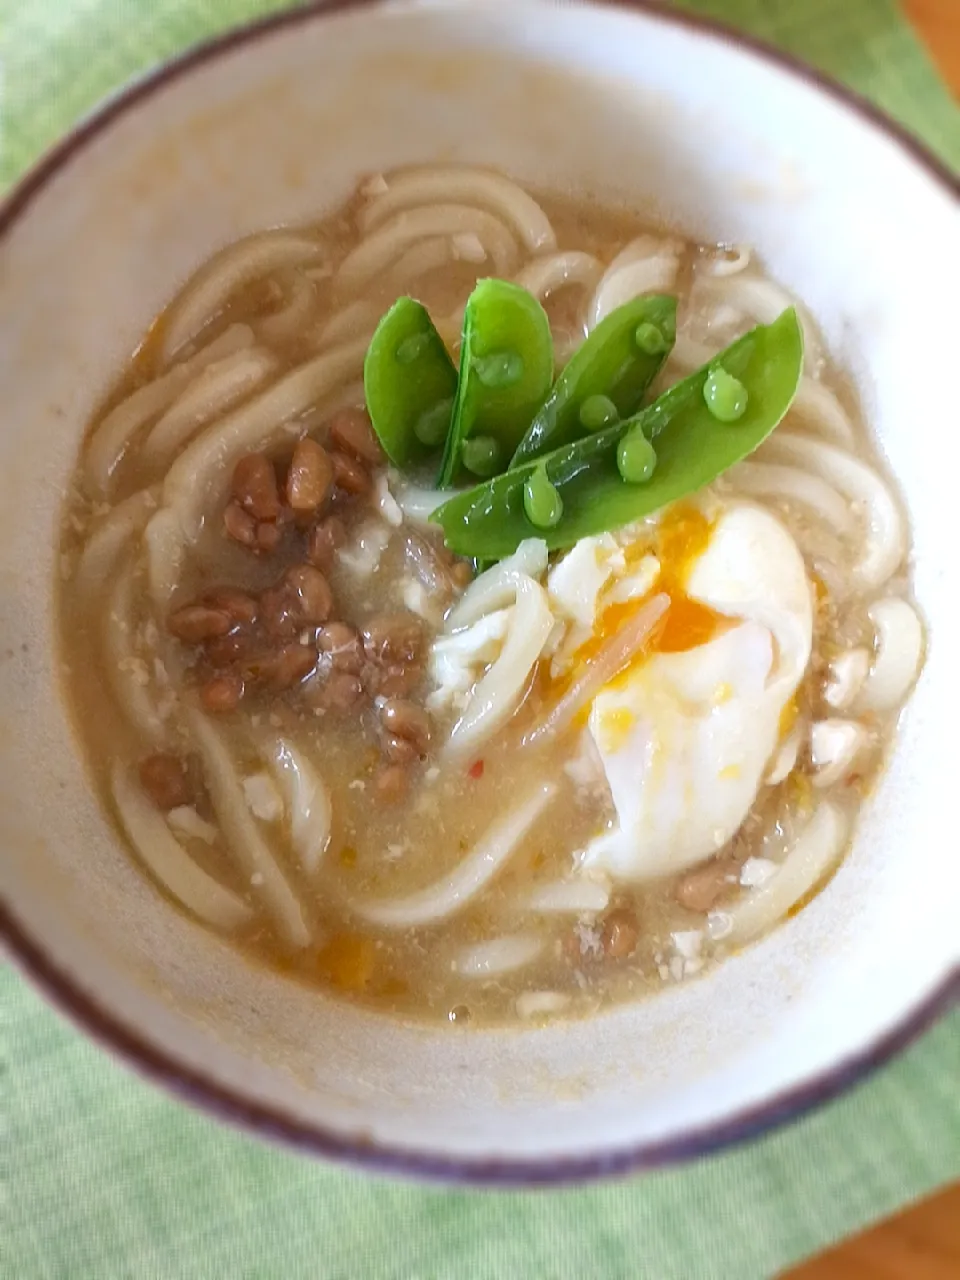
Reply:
x=386, y=768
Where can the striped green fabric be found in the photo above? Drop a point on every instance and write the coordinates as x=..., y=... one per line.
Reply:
x=104, y=1178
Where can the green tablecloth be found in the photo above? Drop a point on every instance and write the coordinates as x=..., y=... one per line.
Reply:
x=104, y=1178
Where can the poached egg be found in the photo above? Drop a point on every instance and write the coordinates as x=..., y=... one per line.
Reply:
x=684, y=735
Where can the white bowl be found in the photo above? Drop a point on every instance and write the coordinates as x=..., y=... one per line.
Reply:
x=273, y=124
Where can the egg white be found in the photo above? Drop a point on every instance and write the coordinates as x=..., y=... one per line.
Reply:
x=685, y=738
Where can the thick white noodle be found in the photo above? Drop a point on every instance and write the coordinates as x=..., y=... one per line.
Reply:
x=115, y=432
x=307, y=802
x=731, y=263
x=689, y=354
x=467, y=248
x=845, y=677
x=219, y=388
x=884, y=542
x=818, y=409
x=233, y=268
x=544, y=276
x=497, y=955
x=242, y=836
x=421, y=257
x=416, y=503
x=168, y=862
x=349, y=396
x=291, y=320
x=446, y=183
x=541, y=1004
x=382, y=247
x=836, y=746
x=104, y=545
x=497, y=587
x=164, y=546
x=453, y=891
x=127, y=672
x=646, y=265
x=184, y=820
x=356, y=320
x=495, y=698
x=569, y=895
x=320, y=274
x=898, y=655
x=816, y=851
x=198, y=479
x=785, y=756
x=761, y=302
x=769, y=480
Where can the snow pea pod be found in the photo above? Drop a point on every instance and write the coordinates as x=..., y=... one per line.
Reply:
x=410, y=383
x=693, y=447
x=506, y=368
x=618, y=361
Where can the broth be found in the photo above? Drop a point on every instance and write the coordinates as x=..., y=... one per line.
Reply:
x=290, y=776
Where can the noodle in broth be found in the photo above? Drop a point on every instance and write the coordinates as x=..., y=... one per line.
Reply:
x=326, y=736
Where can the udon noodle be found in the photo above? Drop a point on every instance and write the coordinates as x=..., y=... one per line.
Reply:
x=567, y=774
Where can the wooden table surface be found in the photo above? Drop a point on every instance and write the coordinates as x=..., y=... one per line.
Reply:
x=923, y=1243
x=938, y=24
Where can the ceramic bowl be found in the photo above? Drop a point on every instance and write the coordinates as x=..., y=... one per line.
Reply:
x=273, y=124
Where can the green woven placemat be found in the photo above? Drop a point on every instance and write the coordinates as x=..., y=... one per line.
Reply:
x=103, y=1178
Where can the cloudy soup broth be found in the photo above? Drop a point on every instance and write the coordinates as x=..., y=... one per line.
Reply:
x=484, y=606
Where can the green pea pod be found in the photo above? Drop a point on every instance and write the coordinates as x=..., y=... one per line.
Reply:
x=506, y=367
x=619, y=360
x=693, y=447
x=410, y=384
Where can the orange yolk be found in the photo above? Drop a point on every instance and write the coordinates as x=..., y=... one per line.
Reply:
x=607, y=625
x=687, y=624
x=788, y=716
x=681, y=537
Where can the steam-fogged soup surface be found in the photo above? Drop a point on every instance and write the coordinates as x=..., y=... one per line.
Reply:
x=570, y=780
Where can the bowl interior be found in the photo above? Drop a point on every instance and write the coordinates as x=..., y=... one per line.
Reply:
x=274, y=129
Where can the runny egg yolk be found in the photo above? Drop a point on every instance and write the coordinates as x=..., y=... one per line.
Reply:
x=681, y=538
x=687, y=624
